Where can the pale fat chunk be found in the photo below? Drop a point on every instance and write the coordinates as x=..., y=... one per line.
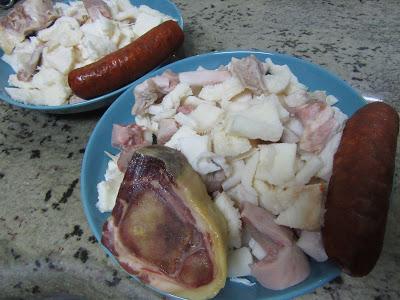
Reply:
x=228, y=145
x=182, y=132
x=145, y=22
x=249, y=172
x=61, y=58
x=277, y=163
x=173, y=99
x=65, y=31
x=108, y=188
x=232, y=216
x=240, y=194
x=197, y=151
x=239, y=262
x=260, y=121
x=224, y=91
x=306, y=212
x=309, y=170
x=206, y=116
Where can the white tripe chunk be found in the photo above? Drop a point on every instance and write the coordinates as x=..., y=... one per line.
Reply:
x=196, y=101
x=150, y=11
x=326, y=156
x=108, y=188
x=275, y=199
x=60, y=58
x=239, y=262
x=249, y=172
x=259, y=121
x=309, y=170
x=232, y=216
x=276, y=164
x=74, y=9
x=22, y=54
x=297, y=98
x=197, y=151
x=240, y=194
x=146, y=122
x=236, y=176
x=331, y=100
x=283, y=113
x=256, y=249
x=97, y=39
x=65, y=31
x=228, y=145
x=186, y=120
x=279, y=79
x=53, y=95
x=306, y=212
x=222, y=91
x=205, y=116
x=145, y=22
x=182, y=132
x=295, y=126
x=127, y=34
x=173, y=99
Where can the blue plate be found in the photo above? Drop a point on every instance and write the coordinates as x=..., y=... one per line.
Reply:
x=165, y=6
x=95, y=161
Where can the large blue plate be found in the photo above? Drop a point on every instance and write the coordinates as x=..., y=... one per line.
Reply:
x=165, y=6
x=95, y=162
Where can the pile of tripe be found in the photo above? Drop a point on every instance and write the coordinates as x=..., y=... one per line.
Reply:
x=74, y=40
x=254, y=134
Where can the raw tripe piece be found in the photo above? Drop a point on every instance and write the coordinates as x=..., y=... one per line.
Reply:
x=223, y=91
x=239, y=261
x=277, y=162
x=259, y=121
x=232, y=216
x=228, y=145
x=306, y=212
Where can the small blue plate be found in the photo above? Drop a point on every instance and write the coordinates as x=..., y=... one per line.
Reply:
x=165, y=6
x=95, y=161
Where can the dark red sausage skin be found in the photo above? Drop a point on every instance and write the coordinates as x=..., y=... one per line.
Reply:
x=128, y=63
x=359, y=189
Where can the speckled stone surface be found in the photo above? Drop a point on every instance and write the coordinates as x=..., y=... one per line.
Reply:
x=46, y=247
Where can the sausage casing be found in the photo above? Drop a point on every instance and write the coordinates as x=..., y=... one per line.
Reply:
x=128, y=63
x=359, y=189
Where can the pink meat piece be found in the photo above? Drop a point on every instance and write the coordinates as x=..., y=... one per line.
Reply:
x=27, y=70
x=97, y=9
x=289, y=267
x=167, y=128
x=285, y=264
x=185, y=109
x=311, y=243
x=25, y=18
x=128, y=138
x=263, y=222
x=152, y=90
x=250, y=72
x=204, y=77
x=319, y=125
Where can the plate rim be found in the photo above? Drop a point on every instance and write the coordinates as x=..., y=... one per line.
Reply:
x=90, y=144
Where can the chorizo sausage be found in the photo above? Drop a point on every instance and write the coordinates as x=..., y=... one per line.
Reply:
x=128, y=63
x=359, y=189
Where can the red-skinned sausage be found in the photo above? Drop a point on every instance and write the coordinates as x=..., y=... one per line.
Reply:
x=359, y=189
x=128, y=63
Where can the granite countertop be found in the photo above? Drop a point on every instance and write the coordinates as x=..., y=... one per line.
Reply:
x=46, y=246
